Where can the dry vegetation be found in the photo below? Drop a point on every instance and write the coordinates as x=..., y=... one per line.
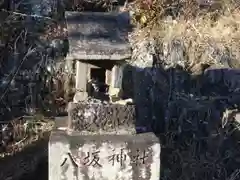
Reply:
x=23, y=131
x=208, y=31
x=201, y=137
x=94, y=5
x=16, y=39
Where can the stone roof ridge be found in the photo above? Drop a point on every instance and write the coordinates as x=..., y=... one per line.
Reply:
x=98, y=35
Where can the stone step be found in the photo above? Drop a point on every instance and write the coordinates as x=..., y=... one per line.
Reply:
x=98, y=35
x=104, y=157
x=101, y=118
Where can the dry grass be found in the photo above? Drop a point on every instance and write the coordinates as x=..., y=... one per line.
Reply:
x=95, y=5
x=22, y=132
x=17, y=134
x=201, y=138
x=209, y=33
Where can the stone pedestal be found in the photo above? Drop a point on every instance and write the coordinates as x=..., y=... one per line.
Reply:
x=104, y=157
x=100, y=143
x=101, y=118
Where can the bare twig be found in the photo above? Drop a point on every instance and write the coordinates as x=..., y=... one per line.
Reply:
x=26, y=15
x=16, y=41
x=30, y=51
x=22, y=140
x=234, y=175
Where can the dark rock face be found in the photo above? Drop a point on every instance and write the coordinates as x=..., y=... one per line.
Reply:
x=127, y=82
x=94, y=117
x=223, y=81
x=142, y=98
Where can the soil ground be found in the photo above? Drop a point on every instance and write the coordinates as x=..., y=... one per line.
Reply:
x=41, y=172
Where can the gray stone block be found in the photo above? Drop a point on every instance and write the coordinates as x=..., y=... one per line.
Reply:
x=104, y=157
x=101, y=117
x=97, y=35
x=81, y=76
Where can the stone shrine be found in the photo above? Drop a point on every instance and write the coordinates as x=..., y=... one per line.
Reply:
x=98, y=49
x=99, y=140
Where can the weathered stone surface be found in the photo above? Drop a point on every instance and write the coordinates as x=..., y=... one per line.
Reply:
x=104, y=157
x=101, y=117
x=81, y=76
x=94, y=36
x=117, y=73
x=108, y=75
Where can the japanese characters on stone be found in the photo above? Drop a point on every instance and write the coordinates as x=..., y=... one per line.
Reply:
x=138, y=157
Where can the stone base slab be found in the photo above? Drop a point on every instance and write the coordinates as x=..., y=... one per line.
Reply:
x=104, y=157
